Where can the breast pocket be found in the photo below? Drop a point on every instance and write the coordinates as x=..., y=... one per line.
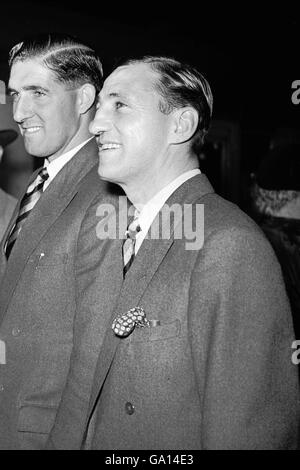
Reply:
x=51, y=282
x=155, y=333
x=43, y=259
x=150, y=357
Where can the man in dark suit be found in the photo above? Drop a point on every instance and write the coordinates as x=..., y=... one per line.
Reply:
x=50, y=251
x=197, y=351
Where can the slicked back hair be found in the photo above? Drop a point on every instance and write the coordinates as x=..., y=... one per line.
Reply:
x=181, y=85
x=73, y=63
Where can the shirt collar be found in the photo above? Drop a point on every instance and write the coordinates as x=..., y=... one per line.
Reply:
x=56, y=165
x=148, y=212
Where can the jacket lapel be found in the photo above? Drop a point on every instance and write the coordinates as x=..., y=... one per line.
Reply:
x=146, y=263
x=54, y=200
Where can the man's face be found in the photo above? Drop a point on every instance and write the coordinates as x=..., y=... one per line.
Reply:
x=132, y=133
x=44, y=109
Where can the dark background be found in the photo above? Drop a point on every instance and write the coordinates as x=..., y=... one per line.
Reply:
x=249, y=56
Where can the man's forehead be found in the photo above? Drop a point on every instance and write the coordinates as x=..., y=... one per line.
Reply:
x=29, y=70
x=129, y=79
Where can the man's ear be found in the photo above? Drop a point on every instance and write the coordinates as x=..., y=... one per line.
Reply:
x=1, y=152
x=86, y=97
x=185, y=124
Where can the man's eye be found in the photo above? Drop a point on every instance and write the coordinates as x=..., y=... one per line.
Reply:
x=13, y=95
x=39, y=93
x=119, y=104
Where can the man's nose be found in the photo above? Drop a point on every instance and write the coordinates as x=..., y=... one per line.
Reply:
x=99, y=124
x=22, y=109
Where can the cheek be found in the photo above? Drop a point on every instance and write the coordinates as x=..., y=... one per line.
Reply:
x=139, y=136
x=69, y=111
x=62, y=122
x=66, y=112
x=144, y=136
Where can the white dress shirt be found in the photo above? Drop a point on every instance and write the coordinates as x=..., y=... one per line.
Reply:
x=58, y=163
x=149, y=211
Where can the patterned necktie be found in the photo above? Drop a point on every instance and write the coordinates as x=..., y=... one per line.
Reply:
x=129, y=243
x=30, y=198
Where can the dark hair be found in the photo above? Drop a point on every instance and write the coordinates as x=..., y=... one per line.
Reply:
x=181, y=85
x=72, y=62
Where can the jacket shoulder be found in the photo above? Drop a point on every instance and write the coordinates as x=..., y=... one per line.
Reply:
x=220, y=214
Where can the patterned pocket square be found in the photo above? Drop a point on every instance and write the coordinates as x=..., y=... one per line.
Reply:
x=125, y=323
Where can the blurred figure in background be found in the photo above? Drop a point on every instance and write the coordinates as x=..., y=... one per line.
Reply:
x=276, y=206
x=7, y=202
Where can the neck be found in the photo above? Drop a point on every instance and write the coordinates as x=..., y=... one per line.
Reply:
x=140, y=192
x=70, y=145
x=81, y=134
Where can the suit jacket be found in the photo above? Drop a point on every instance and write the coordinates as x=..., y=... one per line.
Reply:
x=7, y=205
x=216, y=372
x=56, y=253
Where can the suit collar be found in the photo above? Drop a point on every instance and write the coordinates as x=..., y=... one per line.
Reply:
x=74, y=170
x=54, y=166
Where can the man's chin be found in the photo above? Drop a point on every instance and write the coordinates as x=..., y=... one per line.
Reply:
x=101, y=172
x=104, y=174
x=35, y=151
x=35, y=155
x=104, y=177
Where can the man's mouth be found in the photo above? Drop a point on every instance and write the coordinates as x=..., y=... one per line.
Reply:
x=30, y=130
x=108, y=146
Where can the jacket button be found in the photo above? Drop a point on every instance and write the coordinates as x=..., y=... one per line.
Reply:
x=129, y=408
x=16, y=331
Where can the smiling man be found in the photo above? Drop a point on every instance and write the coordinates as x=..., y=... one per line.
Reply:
x=197, y=354
x=50, y=251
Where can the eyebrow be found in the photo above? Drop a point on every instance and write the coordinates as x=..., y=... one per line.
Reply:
x=28, y=88
x=116, y=94
x=113, y=94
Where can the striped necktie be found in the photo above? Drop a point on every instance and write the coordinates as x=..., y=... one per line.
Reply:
x=129, y=243
x=30, y=198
